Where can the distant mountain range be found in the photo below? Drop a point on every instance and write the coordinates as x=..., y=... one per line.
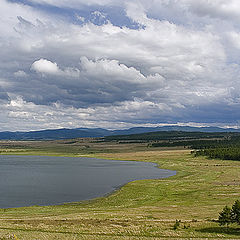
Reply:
x=64, y=133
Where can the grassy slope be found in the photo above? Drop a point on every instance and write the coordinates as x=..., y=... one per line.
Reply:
x=141, y=209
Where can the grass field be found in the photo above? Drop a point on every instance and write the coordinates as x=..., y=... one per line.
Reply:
x=145, y=209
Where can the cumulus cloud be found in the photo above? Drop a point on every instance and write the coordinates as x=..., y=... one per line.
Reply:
x=45, y=66
x=92, y=82
x=55, y=73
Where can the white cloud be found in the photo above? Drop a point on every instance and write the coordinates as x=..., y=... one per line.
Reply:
x=45, y=66
x=59, y=74
x=234, y=38
x=110, y=70
x=223, y=9
x=20, y=74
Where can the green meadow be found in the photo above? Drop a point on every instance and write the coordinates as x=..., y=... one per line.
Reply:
x=146, y=209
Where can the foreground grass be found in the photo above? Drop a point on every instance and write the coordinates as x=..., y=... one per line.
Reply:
x=145, y=209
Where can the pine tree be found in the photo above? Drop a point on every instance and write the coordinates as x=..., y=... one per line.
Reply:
x=235, y=212
x=225, y=217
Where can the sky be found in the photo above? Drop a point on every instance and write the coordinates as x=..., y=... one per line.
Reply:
x=117, y=63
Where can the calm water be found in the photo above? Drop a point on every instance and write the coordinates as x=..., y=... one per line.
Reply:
x=35, y=180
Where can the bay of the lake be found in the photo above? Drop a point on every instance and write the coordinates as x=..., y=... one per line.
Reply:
x=43, y=180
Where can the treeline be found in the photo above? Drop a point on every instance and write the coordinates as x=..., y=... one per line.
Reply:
x=169, y=135
x=194, y=144
x=229, y=153
x=226, y=149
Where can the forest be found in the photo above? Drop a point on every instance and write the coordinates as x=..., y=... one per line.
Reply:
x=224, y=145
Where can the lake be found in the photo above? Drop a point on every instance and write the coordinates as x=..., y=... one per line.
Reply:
x=42, y=180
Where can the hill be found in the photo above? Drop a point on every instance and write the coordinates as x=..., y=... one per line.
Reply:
x=64, y=133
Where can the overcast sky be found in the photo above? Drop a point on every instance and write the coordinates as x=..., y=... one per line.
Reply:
x=119, y=63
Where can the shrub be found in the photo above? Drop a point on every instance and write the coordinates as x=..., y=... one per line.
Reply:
x=176, y=224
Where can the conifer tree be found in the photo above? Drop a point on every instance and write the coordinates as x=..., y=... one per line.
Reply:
x=225, y=217
x=235, y=212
